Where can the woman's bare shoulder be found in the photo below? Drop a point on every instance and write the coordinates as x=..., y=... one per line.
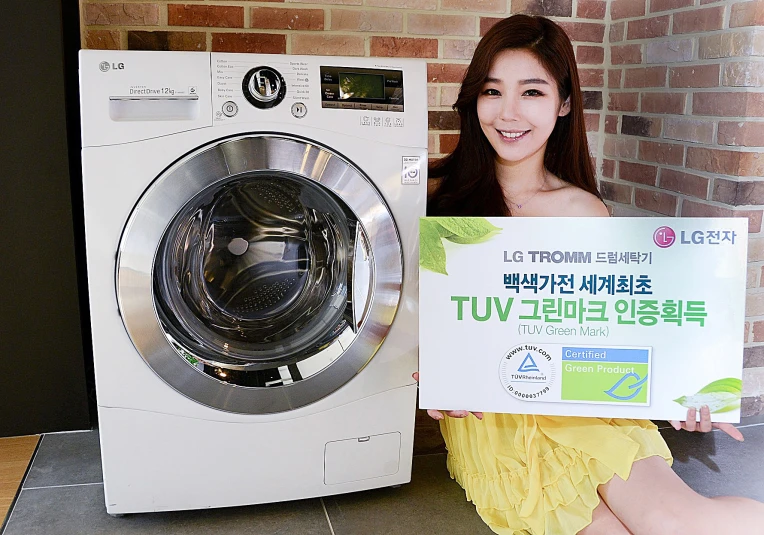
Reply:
x=574, y=202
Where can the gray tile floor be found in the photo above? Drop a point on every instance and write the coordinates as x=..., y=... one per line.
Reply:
x=63, y=495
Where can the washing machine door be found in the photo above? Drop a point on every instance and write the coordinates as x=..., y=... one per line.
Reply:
x=259, y=273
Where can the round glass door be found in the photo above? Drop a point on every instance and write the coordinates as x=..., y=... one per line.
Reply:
x=259, y=274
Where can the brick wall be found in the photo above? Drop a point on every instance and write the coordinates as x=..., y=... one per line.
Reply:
x=675, y=121
x=684, y=130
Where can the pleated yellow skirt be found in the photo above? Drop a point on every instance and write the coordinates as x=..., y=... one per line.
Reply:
x=538, y=475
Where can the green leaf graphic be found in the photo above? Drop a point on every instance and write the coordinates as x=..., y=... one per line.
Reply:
x=722, y=395
x=466, y=230
x=729, y=384
x=432, y=255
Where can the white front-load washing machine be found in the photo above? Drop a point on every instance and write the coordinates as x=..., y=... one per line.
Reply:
x=251, y=232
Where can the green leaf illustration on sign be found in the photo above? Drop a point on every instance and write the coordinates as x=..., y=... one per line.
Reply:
x=432, y=255
x=466, y=230
x=722, y=395
x=463, y=230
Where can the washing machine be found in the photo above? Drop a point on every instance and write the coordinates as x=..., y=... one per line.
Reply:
x=251, y=235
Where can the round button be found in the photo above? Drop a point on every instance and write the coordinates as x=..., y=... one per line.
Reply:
x=299, y=110
x=263, y=87
x=230, y=109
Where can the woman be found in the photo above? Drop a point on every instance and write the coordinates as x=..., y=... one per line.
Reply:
x=523, y=152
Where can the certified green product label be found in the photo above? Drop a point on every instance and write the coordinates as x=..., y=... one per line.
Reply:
x=606, y=375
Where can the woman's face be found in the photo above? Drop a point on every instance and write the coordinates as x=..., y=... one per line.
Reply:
x=518, y=107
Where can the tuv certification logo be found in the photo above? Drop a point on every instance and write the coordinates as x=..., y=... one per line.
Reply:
x=527, y=372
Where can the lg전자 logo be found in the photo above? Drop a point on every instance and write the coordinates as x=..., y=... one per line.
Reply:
x=104, y=66
x=664, y=237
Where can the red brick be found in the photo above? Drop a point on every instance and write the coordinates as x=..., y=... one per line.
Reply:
x=694, y=185
x=626, y=9
x=430, y=5
x=695, y=76
x=637, y=172
x=648, y=28
x=697, y=209
x=163, y=40
x=758, y=331
x=486, y=23
x=276, y=18
x=638, y=125
x=747, y=14
x=589, y=32
x=322, y=44
x=663, y=103
x=208, y=16
x=623, y=101
x=746, y=329
x=448, y=95
x=668, y=51
x=404, y=47
x=667, y=5
x=481, y=6
x=725, y=162
x=592, y=121
x=591, y=77
x=611, y=124
x=655, y=201
x=664, y=153
x=613, y=191
x=620, y=147
x=626, y=54
x=614, y=77
x=119, y=14
x=546, y=8
x=608, y=168
x=743, y=74
x=102, y=40
x=432, y=95
x=646, y=77
x=433, y=145
x=741, y=134
x=458, y=48
x=443, y=120
x=728, y=104
x=617, y=31
x=756, y=254
x=366, y=20
x=260, y=43
x=427, y=24
x=445, y=73
x=692, y=130
x=699, y=20
x=590, y=55
x=448, y=143
x=591, y=9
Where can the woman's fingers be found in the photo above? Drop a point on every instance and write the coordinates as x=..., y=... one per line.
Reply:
x=690, y=423
x=435, y=415
x=731, y=430
x=415, y=375
x=705, y=419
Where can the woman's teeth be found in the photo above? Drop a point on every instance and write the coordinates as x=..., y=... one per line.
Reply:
x=513, y=135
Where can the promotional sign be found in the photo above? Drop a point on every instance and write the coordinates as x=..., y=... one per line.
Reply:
x=608, y=317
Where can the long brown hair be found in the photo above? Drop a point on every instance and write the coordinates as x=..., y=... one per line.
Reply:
x=468, y=184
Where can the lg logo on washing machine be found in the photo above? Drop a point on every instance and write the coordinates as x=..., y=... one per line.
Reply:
x=105, y=66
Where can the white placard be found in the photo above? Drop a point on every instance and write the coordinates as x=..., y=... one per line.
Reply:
x=608, y=317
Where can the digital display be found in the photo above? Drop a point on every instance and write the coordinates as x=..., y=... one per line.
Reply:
x=356, y=85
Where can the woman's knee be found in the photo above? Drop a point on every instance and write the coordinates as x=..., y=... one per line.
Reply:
x=604, y=522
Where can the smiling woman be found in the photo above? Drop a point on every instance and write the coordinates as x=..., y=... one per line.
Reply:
x=523, y=151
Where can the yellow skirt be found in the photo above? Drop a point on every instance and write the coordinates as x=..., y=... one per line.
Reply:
x=538, y=475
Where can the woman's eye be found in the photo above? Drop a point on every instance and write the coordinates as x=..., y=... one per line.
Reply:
x=491, y=92
x=533, y=93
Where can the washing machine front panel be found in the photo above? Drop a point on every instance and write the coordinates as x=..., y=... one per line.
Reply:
x=259, y=273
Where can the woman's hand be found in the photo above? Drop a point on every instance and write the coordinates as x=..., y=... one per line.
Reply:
x=705, y=425
x=438, y=415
